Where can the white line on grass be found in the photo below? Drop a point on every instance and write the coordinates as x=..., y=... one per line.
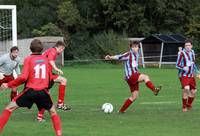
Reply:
x=163, y=102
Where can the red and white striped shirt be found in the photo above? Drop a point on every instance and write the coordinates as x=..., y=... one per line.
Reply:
x=131, y=62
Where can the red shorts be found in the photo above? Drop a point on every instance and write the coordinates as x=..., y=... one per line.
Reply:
x=188, y=81
x=7, y=79
x=133, y=82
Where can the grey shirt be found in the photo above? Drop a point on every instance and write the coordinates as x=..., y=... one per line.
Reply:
x=7, y=65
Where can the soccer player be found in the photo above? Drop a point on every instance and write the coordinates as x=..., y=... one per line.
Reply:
x=132, y=76
x=35, y=74
x=51, y=54
x=8, y=63
x=186, y=67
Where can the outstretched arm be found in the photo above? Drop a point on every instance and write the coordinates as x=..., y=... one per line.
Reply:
x=124, y=56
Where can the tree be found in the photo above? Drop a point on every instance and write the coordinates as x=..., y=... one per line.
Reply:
x=69, y=19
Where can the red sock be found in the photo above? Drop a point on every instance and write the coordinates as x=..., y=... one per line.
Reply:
x=4, y=118
x=190, y=100
x=184, y=102
x=12, y=95
x=150, y=85
x=57, y=125
x=127, y=103
x=61, y=94
x=40, y=114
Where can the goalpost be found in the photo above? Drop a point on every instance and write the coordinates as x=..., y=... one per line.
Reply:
x=8, y=37
x=8, y=27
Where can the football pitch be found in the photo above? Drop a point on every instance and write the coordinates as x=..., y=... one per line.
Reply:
x=92, y=85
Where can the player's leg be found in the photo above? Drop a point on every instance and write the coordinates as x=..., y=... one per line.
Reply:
x=129, y=101
x=134, y=88
x=185, y=92
x=4, y=117
x=62, y=89
x=43, y=100
x=149, y=84
x=13, y=93
x=56, y=121
x=191, y=98
x=192, y=93
x=40, y=115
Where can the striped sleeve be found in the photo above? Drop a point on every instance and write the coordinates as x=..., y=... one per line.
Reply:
x=124, y=56
x=179, y=60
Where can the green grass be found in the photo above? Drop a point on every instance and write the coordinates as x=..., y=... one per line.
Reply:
x=90, y=87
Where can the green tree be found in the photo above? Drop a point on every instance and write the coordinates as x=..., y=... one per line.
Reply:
x=49, y=29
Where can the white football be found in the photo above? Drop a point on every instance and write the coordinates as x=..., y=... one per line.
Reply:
x=107, y=107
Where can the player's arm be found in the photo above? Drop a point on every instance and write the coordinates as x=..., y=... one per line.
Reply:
x=124, y=56
x=51, y=57
x=22, y=78
x=17, y=69
x=195, y=66
x=2, y=60
x=179, y=61
x=53, y=64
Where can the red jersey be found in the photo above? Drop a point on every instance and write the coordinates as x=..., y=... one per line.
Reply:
x=51, y=55
x=35, y=73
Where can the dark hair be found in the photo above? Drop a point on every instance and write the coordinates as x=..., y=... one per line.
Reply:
x=36, y=46
x=133, y=43
x=59, y=43
x=188, y=41
x=14, y=48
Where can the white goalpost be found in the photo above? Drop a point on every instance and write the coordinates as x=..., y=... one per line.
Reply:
x=8, y=36
x=8, y=27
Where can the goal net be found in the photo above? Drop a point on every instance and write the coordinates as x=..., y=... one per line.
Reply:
x=8, y=27
x=8, y=37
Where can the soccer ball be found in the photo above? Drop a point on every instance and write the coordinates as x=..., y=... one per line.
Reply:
x=107, y=107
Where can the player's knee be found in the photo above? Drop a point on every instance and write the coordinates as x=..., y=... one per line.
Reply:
x=12, y=106
x=63, y=81
x=186, y=88
x=134, y=97
x=193, y=92
x=146, y=77
x=14, y=89
x=52, y=111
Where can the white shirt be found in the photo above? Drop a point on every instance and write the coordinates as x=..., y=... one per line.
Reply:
x=7, y=65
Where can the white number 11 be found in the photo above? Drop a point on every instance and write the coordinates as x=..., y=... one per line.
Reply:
x=40, y=71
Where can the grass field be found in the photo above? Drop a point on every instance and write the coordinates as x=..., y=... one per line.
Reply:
x=91, y=86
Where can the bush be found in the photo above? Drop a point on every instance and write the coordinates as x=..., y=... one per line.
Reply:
x=80, y=47
x=84, y=46
x=110, y=43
